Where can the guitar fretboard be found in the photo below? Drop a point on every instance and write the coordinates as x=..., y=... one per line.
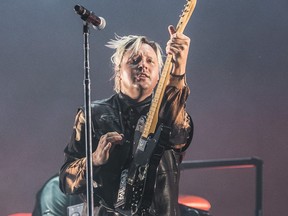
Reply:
x=152, y=118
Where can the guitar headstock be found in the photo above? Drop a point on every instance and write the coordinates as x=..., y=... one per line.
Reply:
x=185, y=15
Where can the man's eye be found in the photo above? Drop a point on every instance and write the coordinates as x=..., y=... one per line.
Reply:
x=135, y=60
x=150, y=61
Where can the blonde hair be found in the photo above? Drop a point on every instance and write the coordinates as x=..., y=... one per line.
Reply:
x=130, y=42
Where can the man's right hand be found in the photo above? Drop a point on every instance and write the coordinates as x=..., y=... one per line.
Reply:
x=106, y=144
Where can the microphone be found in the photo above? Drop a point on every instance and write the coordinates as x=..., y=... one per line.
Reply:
x=90, y=17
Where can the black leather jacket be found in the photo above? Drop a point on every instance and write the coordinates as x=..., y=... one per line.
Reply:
x=111, y=115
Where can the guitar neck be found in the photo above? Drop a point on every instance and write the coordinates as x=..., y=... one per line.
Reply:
x=152, y=118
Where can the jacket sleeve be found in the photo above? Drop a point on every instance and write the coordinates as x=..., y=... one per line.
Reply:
x=173, y=114
x=73, y=172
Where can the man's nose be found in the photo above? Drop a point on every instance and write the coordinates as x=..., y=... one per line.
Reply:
x=142, y=65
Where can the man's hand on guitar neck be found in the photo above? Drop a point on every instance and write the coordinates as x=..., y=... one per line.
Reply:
x=178, y=47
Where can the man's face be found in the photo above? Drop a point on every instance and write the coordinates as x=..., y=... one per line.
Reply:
x=139, y=73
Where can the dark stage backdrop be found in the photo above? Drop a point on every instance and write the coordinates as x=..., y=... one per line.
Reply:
x=237, y=72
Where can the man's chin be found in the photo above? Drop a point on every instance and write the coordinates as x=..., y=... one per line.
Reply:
x=143, y=87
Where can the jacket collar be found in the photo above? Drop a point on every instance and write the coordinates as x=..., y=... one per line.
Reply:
x=128, y=103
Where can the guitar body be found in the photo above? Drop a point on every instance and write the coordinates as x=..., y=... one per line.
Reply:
x=137, y=182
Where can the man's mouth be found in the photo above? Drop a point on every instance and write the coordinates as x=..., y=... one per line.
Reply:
x=141, y=76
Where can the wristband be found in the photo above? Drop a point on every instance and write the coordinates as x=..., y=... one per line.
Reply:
x=179, y=77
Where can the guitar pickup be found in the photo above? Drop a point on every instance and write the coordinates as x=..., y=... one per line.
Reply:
x=142, y=144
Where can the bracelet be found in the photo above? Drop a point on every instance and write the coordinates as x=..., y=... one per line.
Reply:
x=179, y=77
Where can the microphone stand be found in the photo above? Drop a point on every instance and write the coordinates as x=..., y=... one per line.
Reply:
x=88, y=130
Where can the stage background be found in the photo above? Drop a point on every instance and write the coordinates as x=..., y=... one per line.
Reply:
x=237, y=72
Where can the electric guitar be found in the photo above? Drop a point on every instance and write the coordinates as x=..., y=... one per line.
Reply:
x=137, y=181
